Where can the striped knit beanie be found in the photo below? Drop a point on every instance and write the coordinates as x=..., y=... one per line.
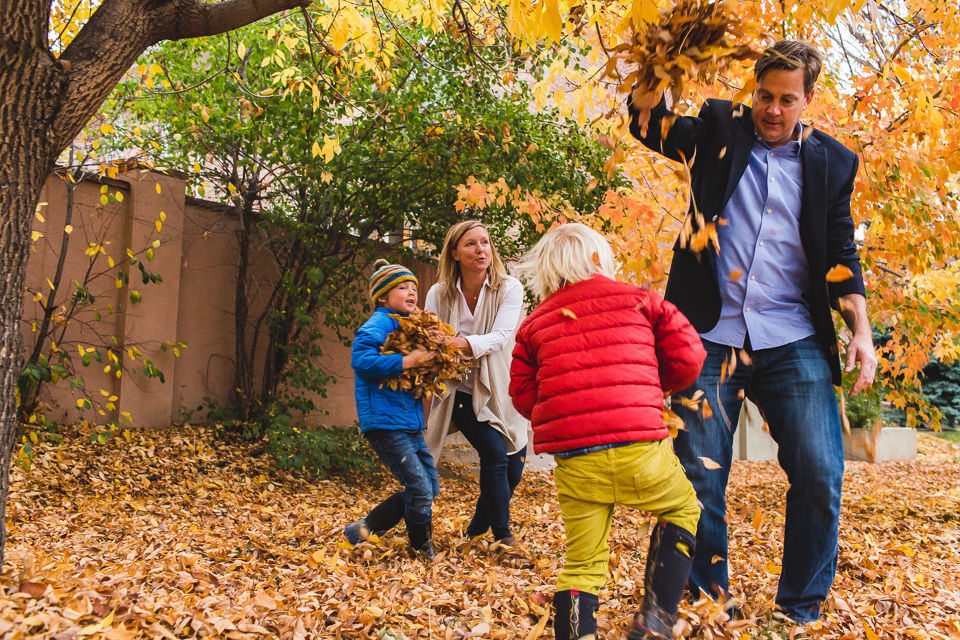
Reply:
x=386, y=276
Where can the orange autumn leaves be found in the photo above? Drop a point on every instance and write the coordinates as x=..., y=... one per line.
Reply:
x=424, y=330
x=694, y=40
x=698, y=402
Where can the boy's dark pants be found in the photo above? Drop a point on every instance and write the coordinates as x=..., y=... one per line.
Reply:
x=405, y=453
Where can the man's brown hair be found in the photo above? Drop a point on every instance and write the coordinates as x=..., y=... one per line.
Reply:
x=789, y=55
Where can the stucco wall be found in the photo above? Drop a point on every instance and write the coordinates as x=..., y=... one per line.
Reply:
x=197, y=259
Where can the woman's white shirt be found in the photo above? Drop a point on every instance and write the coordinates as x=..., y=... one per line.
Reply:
x=505, y=323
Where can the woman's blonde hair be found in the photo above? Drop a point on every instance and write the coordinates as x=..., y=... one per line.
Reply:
x=567, y=254
x=449, y=274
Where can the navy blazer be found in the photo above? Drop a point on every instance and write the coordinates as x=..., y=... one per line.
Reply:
x=719, y=141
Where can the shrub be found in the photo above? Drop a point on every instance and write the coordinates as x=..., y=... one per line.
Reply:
x=941, y=388
x=323, y=452
x=320, y=451
x=863, y=409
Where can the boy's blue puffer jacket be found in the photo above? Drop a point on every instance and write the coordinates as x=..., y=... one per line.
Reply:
x=381, y=408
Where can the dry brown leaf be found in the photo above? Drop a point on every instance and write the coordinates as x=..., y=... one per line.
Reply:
x=709, y=464
x=265, y=600
x=673, y=422
x=218, y=523
x=424, y=330
x=705, y=408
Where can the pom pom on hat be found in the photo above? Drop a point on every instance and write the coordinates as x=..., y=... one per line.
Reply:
x=386, y=276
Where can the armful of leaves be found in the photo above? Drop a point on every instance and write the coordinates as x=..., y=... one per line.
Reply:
x=424, y=330
x=695, y=39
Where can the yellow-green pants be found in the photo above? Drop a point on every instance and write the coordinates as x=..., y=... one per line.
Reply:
x=645, y=476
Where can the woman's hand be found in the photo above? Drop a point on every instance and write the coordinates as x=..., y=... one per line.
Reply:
x=460, y=343
x=417, y=358
x=463, y=344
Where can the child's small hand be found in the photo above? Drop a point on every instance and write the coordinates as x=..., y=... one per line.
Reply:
x=417, y=358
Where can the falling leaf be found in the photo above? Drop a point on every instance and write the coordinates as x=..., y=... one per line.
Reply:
x=566, y=312
x=707, y=411
x=839, y=273
x=709, y=464
x=757, y=520
x=736, y=274
x=723, y=152
x=673, y=422
x=716, y=559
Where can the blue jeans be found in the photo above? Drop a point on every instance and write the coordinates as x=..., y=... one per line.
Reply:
x=499, y=473
x=794, y=389
x=406, y=454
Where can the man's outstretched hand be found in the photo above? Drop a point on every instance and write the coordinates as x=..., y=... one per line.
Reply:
x=853, y=308
x=860, y=351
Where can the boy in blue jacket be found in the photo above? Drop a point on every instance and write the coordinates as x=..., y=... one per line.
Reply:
x=392, y=421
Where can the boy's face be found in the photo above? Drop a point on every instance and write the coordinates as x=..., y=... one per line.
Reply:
x=402, y=297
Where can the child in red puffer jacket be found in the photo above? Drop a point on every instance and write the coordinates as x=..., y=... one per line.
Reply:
x=590, y=369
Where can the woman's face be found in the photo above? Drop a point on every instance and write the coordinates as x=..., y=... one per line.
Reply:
x=474, y=251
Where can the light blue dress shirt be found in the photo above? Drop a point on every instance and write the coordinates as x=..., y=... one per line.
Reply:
x=761, y=265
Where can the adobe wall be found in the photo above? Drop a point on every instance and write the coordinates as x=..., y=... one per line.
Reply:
x=197, y=259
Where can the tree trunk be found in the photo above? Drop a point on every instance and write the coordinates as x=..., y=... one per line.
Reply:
x=31, y=82
x=243, y=378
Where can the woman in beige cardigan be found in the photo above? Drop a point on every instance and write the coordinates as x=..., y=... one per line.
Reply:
x=477, y=297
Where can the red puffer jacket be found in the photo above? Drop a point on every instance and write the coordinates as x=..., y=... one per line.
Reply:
x=592, y=362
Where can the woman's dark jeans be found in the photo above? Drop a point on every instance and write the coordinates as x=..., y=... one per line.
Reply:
x=406, y=454
x=499, y=473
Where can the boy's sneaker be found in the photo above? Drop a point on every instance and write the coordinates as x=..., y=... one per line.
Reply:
x=357, y=532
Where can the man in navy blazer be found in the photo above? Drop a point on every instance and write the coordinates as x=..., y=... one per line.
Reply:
x=777, y=193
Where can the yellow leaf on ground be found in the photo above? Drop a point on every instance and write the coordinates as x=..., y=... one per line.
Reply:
x=97, y=628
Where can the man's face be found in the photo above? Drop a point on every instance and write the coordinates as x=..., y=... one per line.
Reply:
x=778, y=102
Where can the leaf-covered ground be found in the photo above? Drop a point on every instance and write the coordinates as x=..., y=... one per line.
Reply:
x=176, y=534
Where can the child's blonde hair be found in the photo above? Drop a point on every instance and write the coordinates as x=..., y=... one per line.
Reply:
x=567, y=254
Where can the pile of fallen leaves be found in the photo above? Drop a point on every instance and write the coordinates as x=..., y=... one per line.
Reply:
x=424, y=330
x=178, y=534
x=694, y=40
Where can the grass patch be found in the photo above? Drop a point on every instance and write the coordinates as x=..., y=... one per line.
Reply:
x=952, y=435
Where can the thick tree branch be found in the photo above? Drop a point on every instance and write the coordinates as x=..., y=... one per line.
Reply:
x=197, y=19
